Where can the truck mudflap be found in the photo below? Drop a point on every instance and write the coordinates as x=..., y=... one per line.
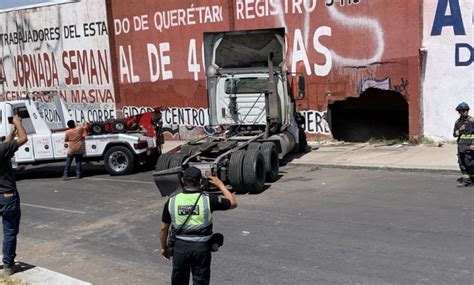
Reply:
x=169, y=181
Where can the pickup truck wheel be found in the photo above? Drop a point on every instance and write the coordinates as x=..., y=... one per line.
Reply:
x=254, y=171
x=235, y=171
x=163, y=161
x=119, y=160
x=270, y=155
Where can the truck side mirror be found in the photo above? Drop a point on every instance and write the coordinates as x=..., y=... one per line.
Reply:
x=301, y=87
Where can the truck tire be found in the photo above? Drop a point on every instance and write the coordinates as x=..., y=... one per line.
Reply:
x=119, y=160
x=235, y=171
x=177, y=159
x=254, y=171
x=270, y=155
x=163, y=161
x=303, y=143
x=97, y=128
x=119, y=126
x=189, y=150
x=254, y=145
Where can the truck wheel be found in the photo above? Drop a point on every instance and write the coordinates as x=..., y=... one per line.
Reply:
x=119, y=126
x=177, y=159
x=97, y=128
x=303, y=143
x=254, y=171
x=119, y=160
x=254, y=145
x=235, y=171
x=189, y=150
x=163, y=161
x=270, y=155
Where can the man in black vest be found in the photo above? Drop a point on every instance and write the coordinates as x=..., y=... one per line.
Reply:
x=189, y=214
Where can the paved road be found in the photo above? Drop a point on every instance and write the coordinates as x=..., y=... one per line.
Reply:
x=314, y=226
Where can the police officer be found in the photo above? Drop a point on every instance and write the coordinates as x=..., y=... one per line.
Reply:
x=461, y=132
x=190, y=216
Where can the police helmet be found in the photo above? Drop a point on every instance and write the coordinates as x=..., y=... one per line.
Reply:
x=463, y=106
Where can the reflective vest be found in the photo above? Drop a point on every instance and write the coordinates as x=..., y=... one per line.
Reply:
x=198, y=224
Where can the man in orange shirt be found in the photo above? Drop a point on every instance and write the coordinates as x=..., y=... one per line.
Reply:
x=74, y=138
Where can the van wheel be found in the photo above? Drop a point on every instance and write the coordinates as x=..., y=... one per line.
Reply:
x=235, y=171
x=119, y=160
x=270, y=155
x=254, y=171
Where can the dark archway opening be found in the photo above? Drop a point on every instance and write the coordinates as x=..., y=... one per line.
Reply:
x=376, y=114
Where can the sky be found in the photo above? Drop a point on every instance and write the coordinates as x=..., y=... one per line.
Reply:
x=9, y=4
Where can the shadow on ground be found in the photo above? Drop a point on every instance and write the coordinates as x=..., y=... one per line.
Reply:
x=56, y=171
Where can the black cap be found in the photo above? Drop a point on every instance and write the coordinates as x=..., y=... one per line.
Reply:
x=192, y=172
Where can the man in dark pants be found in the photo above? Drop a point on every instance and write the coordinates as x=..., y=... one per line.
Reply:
x=9, y=197
x=466, y=154
x=192, y=250
x=74, y=137
x=460, y=128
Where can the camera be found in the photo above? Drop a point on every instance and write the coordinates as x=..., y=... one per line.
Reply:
x=10, y=120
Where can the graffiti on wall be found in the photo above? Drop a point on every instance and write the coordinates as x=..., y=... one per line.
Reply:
x=316, y=122
x=370, y=82
x=400, y=86
x=54, y=50
x=190, y=119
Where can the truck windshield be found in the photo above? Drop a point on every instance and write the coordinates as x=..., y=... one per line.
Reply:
x=245, y=85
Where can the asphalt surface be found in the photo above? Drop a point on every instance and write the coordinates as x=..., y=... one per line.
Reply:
x=313, y=226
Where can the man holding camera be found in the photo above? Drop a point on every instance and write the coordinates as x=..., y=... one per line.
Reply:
x=190, y=216
x=9, y=197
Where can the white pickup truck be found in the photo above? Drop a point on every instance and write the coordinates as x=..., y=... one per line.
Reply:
x=121, y=152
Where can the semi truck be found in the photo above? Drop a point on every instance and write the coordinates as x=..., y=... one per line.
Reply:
x=121, y=151
x=252, y=99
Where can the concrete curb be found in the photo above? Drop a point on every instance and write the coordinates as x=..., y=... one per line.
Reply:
x=43, y=276
x=383, y=168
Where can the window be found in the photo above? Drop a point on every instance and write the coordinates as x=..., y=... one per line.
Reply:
x=10, y=5
x=22, y=112
x=245, y=85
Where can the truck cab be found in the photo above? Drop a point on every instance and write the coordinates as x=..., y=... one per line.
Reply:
x=251, y=98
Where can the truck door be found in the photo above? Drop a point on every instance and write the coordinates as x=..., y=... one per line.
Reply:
x=26, y=152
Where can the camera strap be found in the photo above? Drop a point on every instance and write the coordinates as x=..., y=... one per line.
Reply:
x=189, y=215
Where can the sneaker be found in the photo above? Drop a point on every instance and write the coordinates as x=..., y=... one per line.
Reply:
x=78, y=176
x=466, y=183
x=65, y=177
x=8, y=270
x=460, y=179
